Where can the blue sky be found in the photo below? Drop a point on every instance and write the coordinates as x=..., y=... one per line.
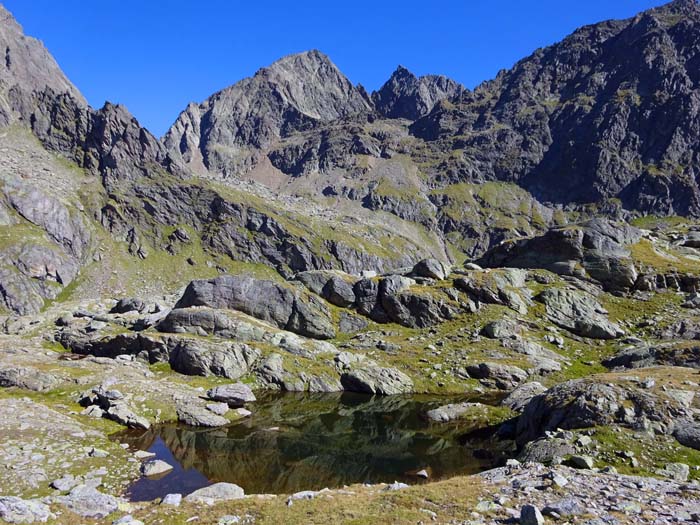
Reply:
x=155, y=56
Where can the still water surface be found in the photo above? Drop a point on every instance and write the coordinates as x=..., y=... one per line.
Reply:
x=296, y=442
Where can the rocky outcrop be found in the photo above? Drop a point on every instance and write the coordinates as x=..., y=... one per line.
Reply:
x=268, y=301
x=579, y=313
x=662, y=354
x=584, y=403
x=596, y=249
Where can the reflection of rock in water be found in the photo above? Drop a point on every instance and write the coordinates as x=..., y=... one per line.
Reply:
x=324, y=440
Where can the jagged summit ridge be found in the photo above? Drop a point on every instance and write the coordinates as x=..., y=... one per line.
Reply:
x=407, y=96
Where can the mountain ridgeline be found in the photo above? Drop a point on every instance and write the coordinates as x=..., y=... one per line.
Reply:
x=296, y=168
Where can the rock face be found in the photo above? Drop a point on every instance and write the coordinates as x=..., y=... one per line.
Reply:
x=265, y=300
x=579, y=313
x=407, y=96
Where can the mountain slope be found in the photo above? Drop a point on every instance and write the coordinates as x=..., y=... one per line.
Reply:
x=611, y=111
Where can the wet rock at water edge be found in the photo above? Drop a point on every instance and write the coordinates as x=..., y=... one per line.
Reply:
x=235, y=395
x=155, y=467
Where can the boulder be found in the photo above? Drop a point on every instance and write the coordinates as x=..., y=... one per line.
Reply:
x=155, y=467
x=547, y=451
x=663, y=354
x=339, y=292
x=518, y=399
x=501, y=329
x=126, y=305
x=194, y=357
x=579, y=313
x=596, y=248
x=369, y=378
x=503, y=376
x=18, y=510
x=208, y=321
x=195, y=415
x=268, y=301
x=431, y=269
x=215, y=493
x=235, y=395
x=88, y=502
x=503, y=286
x=27, y=379
x=687, y=433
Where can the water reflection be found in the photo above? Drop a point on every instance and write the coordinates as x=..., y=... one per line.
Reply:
x=309, y=441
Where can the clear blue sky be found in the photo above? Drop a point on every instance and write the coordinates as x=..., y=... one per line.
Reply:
x=155, y=56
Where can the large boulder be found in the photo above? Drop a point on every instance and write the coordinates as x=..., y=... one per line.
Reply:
x=502, y=376
x=596, y=248
x=27, y=378
x=579, y=313
x=363, y=375
x=18, y=510
x=207, y=321
x=280, y=305
x=194, y=357
x=431, y=269
x=503, y=286
x=196, y=415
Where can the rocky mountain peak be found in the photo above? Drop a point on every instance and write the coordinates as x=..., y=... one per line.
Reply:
x=407, y=96
x=225, y=133
x=27, y=67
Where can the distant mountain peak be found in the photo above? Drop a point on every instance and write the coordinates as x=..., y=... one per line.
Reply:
x=407, y=96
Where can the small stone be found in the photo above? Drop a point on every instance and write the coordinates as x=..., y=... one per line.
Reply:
x=127, y=520
x=144, y=454
x=582, y=462
x=65, y=483
x=423, y=474
x=172, y=499
x=155, y=467
x=218, y=408
x=216, y=492
x=531, y=515
x=677, y=471
x=98, y=453
x=242, y=412
x=396, y=485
